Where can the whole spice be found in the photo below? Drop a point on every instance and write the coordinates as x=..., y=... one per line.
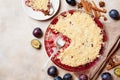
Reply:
x=98, y=9
x=92, y=8
x=80, y=5
x=113, y=62
x=102, y=4
x=104, y=17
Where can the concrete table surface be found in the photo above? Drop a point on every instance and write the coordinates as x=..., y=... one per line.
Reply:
x=18, y=59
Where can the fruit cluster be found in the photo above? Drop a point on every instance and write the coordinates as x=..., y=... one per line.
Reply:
x=52, y=71
x=114, y=14
x=37, y=32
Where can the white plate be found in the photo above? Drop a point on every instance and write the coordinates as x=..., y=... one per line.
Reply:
x=39, y=15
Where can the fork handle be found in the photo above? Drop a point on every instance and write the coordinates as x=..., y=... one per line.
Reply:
x=52, y=55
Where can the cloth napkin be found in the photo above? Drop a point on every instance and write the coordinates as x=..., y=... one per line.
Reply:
x=112, y=52
x=113, y=32
x=117, y=54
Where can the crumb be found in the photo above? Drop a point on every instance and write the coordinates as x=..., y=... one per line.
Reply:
x=46, y=12
x=104, y=17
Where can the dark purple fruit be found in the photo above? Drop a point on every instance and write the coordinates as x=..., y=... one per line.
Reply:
x=52, y=71
x=114, y=14
x=37, y=32
x=83, y=77
x=106, y=76
x=71, y=2
x=67, y=76
x=58, y=78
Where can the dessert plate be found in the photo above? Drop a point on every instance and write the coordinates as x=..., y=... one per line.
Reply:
x=50, y=46
x=38, y=15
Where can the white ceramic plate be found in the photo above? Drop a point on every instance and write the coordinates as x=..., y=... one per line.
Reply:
x=39, y=15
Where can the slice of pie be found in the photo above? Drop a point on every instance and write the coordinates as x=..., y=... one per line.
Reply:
x=83, y=35
x=39, y=5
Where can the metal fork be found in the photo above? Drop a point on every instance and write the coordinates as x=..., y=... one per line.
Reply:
x=59, y=46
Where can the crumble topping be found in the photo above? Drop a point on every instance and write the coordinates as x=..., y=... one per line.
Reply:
x=85, y=35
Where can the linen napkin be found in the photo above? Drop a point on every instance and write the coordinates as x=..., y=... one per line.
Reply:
x=113, y=32
x=112, y=52
x=117, y=55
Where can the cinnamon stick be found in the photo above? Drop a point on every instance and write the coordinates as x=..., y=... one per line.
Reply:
x=90, y=7
x=96, y=8
x=113, y=62
x=84, y=5
x=97, y=13
x=100, y=10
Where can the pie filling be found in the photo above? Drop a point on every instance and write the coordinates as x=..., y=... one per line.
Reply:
x=39, y=5
x=84, y=38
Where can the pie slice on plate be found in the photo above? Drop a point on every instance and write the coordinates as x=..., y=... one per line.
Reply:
x=41, y=9
x=39, y=5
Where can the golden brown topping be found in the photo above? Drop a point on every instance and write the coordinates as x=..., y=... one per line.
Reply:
x=91, y=43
